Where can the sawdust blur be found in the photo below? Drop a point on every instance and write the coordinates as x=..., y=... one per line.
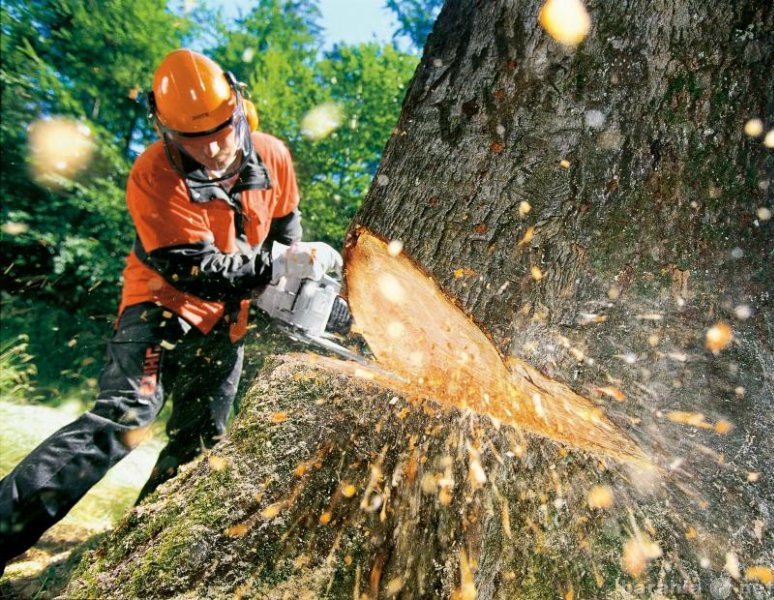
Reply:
x=59, y=149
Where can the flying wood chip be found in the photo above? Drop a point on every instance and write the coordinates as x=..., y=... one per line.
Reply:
x=443, y=355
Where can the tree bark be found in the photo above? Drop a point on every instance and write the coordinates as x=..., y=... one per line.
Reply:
x=644, y=196
x=649, y=112
x=596, y=210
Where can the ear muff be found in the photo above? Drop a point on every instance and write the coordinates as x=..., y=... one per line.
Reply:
x=251, y=113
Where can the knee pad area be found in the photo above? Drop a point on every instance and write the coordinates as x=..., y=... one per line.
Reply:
x=127, y=413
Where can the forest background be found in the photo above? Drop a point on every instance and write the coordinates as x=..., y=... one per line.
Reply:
x=73, y=75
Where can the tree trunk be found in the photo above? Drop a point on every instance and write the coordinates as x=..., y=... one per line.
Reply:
x=596, y=210
x=599, y=210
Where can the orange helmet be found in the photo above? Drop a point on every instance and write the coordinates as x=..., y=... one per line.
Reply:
x=192, y=94
x=192, y=97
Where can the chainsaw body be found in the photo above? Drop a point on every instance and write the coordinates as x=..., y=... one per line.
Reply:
x=302, y=304
x=302, y=309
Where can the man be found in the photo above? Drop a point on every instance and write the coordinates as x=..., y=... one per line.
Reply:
x=215, y=207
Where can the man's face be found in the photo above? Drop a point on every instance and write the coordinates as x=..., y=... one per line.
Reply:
x=215, y=152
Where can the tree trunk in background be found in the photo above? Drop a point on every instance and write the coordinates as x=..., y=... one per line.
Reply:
x=597, y=211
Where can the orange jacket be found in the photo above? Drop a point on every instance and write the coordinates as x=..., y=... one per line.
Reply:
x=200, y=251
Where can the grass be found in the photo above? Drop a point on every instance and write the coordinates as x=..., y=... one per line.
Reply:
x=17, y=367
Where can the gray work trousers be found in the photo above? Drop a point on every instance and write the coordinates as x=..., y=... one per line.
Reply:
x=152, y=355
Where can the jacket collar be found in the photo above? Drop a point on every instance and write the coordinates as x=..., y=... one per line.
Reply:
x=253, y=176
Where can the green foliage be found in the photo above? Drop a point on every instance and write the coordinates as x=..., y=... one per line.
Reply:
x=367, y=83
x=275, y=49
x=87, y=59
x=66, y=345
x=72, y=236
x=64, y=237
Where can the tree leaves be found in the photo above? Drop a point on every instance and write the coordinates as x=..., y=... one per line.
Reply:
x=88, y=61
x=277, y=50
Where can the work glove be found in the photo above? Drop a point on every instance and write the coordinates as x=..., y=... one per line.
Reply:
x=304, y=260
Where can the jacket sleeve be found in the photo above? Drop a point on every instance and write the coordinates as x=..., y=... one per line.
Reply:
x=174, y=238
x=201, y=269
x=285, y=230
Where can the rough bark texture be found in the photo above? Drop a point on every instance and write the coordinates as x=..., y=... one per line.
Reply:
x=646, y=237
x=649, y=112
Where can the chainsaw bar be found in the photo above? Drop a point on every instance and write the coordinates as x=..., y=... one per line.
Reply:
x=326, y=343
x=338, y=349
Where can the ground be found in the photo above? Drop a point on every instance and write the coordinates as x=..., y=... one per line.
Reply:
x=44, y=570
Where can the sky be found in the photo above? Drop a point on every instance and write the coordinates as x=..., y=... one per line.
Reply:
x=344, y=21
x=355, y=21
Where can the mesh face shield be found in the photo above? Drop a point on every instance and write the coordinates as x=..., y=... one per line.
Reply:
x=213, y=155
x=184, y=151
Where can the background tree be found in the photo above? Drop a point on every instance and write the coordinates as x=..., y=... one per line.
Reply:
x=605, y=214
x=273, y=49
x=363, y=85
x=66, y=232
x=276, y=50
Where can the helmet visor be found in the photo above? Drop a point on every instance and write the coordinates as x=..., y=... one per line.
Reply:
x=214, y=155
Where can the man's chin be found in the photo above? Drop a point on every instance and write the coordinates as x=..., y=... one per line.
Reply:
x=219, y=166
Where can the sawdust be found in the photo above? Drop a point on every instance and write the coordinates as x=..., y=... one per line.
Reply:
x=426, y=347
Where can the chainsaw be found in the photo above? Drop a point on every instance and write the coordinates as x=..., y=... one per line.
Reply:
x=309, y=311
